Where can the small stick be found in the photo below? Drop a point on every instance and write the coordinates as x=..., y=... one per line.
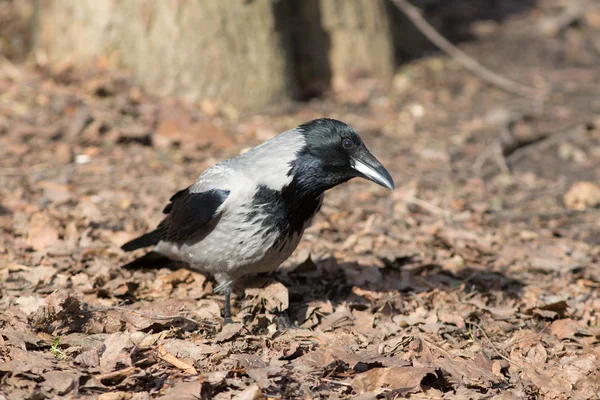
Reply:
x=164, y=355
x=463, y=58
x=507, y=359
x=432, y=208
x=116, y=374
x=144, y=314
x=336, y=382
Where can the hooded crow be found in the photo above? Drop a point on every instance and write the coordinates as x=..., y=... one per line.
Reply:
x=246, y=215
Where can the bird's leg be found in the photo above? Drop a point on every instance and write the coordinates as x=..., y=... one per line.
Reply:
x=225, y=286
x=227, y=309
x=283, y=321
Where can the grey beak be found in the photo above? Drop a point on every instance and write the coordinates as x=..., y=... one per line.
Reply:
x=370, y=168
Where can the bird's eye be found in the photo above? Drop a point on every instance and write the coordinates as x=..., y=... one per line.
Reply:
x=347, y=143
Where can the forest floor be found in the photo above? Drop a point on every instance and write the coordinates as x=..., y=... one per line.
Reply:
x=477, y=278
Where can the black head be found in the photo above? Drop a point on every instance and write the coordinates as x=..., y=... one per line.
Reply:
x=333, y=154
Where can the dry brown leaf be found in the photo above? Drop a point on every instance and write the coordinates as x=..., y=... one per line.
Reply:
x=549, y=385
x=186, y=349
x=228, y=332
x=60, y=382
x=55, y=192
x=42, y=234
x=582, y=195
x=250, y=393
x=22, y=361
x=370, y=295
x=164, y=355
x=257, y=369
x=402, y=379
x=478, y=371
x=115, y=350
x=342, y=317
x=184, y=391
x=550, y=311
x=88, y=359
x=567, y=329
x=364, y=360
x=276, y=297
x=115, y=396
x=314, y=359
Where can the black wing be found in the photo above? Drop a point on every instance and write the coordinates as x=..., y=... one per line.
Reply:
x=188, y=213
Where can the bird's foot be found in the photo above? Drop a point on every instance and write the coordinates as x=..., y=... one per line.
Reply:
x=227, y=309
x=282, y=319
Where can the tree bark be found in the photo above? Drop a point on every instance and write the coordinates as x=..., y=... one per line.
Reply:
x=232, y=52
x=244, y=53
x=340, y=39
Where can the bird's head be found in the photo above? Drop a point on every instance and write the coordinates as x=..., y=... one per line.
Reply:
x=334, y=153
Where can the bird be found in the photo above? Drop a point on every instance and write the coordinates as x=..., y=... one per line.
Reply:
x=246, y=215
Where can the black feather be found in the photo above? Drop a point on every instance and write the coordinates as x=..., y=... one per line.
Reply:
x=190, y=215
x=286, y=211
x=151, y=259
x=147, y=239
x=177, y=195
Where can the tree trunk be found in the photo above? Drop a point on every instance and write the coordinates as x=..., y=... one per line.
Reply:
x=340, y=39
x=245, y=53
x=232, y=52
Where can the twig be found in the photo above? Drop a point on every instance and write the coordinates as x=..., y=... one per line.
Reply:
x=336, y=382
x=460, y=56
x=432, y=208
x=164, y=355
x=116, y=374
x=12, y=71
x=570, y=15
x=545, y=141
x=145, y=314
x=516, y=364
x=505, y=358
x=499, y=157
x=545, y=215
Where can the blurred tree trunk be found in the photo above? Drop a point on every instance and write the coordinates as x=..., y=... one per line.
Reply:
x=232, y=52
x=336, y=40
x=246, y=53
x=16, y=17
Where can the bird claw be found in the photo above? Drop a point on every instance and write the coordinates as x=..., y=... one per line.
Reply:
x=282, y=319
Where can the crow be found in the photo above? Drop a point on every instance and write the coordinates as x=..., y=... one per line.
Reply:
x=246, y=215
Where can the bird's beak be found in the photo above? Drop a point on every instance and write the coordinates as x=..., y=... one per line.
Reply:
x=370, y=168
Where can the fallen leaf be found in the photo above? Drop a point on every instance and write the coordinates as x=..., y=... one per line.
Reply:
x=250, y=393
x=568, y=329
x=55, y=192
x=582, y=195
x=190, y=350
x=115, y=351
x=184, y=391
x=314, y=359
x=88, y=359
x=164, y=355
x=41, y=233
x=405, y=380
x=228, y=332
x=274, y=295
x=60, y=382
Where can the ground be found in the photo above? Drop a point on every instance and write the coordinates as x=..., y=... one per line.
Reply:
x=477, y=278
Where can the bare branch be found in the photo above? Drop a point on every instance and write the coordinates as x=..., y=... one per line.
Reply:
x=460, y=56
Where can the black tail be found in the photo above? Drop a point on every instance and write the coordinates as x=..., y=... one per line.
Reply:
x=151, y=260
x=148, y=239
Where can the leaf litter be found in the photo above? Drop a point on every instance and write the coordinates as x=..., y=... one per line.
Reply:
x=459, y=285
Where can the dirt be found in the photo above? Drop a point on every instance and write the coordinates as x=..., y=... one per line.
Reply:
x=477, y=278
